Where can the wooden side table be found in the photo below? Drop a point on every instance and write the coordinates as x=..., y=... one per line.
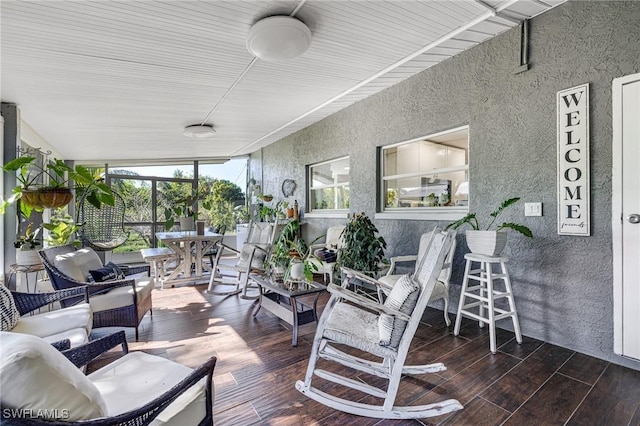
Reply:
x=26, y=270
x=484, y=294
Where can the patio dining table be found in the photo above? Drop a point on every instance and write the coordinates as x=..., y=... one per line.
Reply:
x=190, y=247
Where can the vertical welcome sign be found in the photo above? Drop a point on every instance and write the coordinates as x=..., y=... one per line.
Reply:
x=573, y=161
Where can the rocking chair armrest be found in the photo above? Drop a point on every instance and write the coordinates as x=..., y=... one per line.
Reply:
x=223, y=246
x=29, y=302
x=361, y=276
x=82, y=355
x=398, y=259
x=365, y=302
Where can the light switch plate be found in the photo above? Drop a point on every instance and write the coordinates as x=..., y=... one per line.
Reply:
x=533, y=209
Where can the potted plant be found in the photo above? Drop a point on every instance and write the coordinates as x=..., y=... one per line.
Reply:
x=184, y=210
x=26, y=246
x=363, y=249
x=291, y=255
x=62, y=231
x=487, y=241
x=47, y=185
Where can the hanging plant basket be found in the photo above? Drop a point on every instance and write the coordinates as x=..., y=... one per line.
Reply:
x=47, y=198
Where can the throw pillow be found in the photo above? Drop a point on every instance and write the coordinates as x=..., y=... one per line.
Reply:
x=9, y=315
x=403, y=297
x=108, y=272
x=120, y=275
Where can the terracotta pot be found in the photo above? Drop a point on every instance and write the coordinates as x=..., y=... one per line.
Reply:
x=47, y=198
x=290, y=212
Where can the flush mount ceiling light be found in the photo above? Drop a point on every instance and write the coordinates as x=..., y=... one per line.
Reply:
x=278, y=38
x=199, y=131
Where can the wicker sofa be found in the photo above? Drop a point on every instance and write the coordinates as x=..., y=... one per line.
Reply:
x=115, y=303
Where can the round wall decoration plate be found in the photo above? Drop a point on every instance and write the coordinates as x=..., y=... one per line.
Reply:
x=288, y=187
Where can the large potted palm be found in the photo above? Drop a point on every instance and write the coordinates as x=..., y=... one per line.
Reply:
x=485, y=240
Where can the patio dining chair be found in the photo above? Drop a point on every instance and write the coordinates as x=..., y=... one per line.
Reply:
x=252, y=258
x=377, y=337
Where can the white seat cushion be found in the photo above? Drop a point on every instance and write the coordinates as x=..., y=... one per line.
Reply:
x=35, y=376
x=58, y=321
x=77, y=337
x=138, y=378
x=357, y=328
x=77, y=264
x=121, y=296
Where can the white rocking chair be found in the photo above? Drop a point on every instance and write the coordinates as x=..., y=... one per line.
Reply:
x=253, y=257
x=348, y=320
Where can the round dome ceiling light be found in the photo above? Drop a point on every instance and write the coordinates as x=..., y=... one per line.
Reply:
x=199, y=131
x=278, y=38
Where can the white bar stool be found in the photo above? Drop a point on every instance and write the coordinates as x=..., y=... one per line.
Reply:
x=484, y=294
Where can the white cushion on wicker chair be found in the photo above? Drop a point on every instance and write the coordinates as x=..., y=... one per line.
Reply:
x=121, y=296
x=78, y=263
x=35, y=376
x=54, y=322
x=134, y=379
x=77, y=337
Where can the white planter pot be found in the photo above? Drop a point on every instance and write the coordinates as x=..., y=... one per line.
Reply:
x=297, y=271
x=27, y=257
x=489, y=243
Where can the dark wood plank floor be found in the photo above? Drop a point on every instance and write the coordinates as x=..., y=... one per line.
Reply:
x=534, y=383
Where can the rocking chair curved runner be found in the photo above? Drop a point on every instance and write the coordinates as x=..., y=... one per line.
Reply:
x=349, y=320
x=103, y=228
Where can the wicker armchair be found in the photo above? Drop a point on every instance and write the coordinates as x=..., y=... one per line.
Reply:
x=72, y=324
x=174, y=394
x=133, y=296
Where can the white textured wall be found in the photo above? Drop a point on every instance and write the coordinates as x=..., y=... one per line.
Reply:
x=563, y=284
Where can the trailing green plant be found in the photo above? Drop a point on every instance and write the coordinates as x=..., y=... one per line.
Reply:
x=33, y=176
x=472, y=220
x=62, y=231
x=28, y=241
x=363, y=248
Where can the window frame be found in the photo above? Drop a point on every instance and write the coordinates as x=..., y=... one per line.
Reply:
x=318, y=213
x=420, y=213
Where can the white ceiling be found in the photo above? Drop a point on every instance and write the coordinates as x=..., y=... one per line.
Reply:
x=114, y=80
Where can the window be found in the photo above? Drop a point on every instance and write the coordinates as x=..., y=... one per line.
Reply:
x=329, y=186
x=426, y=178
